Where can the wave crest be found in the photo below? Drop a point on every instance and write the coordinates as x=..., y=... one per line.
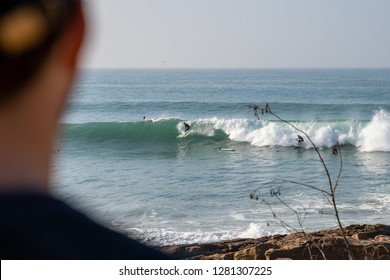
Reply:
x=376, y=135
x=368, y=136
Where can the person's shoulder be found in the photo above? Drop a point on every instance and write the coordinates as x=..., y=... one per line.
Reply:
x=36, y=226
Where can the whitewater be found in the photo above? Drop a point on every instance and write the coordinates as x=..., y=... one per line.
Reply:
x=125, y=159
x=368, y=136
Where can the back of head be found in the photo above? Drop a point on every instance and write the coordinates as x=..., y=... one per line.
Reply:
x=28, y=30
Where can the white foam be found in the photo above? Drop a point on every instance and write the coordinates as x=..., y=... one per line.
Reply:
x=376, y=135
x=255, y=230
x=260, y=134
x=161, y=237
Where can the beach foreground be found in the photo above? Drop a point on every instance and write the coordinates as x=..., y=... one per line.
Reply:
x=368, y=242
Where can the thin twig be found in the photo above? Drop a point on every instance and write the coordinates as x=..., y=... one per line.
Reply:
x=340, y=170
x=312, y=143
x=331, y=186
x=307, y=185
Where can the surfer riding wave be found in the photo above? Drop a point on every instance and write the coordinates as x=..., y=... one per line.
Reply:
x=187, y=127
x=299, y=140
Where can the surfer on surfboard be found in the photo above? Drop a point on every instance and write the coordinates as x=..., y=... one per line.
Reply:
x=186, y=127
x=299, y=140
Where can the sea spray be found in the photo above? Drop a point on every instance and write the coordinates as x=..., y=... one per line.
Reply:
x=376, y=135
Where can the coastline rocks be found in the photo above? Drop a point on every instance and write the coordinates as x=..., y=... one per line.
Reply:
x=366, y=242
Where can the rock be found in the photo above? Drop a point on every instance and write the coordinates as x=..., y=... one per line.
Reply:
x=256, y=252
x=295, y=253
x=245, y=254
x=365, y=241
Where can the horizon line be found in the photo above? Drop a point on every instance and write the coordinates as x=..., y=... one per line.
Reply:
x=236, y=68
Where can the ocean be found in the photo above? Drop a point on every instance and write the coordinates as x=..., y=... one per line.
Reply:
x=125, y=159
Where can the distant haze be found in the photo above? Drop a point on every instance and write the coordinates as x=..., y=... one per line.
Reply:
x=237, y=33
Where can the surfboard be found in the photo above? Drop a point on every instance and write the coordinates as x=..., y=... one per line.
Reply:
x=227, y=149
x=184, y=134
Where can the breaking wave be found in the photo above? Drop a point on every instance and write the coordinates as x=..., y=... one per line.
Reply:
x=367, y=136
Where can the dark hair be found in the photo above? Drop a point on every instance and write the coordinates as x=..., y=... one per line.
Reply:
x=28, y=30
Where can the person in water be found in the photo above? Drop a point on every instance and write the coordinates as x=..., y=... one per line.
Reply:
x=255, y=109
x=186, y=127
x=299, y=139
x=267, y=108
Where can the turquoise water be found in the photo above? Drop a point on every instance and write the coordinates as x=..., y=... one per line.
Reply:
x=163, y=186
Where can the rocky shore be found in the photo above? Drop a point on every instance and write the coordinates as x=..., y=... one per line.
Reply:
x=367, y=242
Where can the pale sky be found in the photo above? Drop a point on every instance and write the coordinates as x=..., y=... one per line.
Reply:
x=237, y=33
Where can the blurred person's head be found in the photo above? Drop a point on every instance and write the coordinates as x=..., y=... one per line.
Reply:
x=39, y=45
x=29, y=29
